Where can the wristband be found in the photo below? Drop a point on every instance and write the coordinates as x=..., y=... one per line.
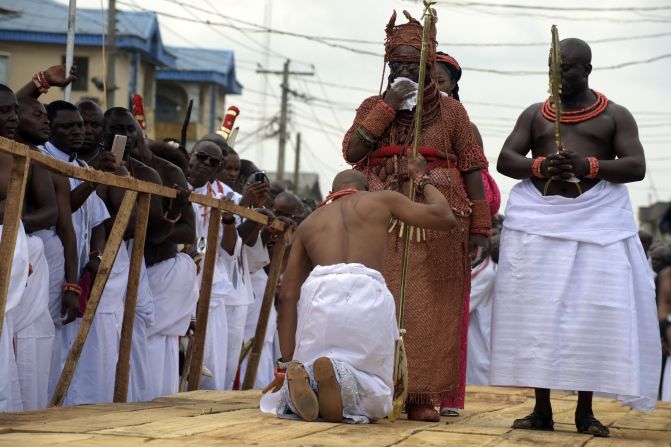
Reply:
x=536, y=167
x=378, y=119
x=481, y=215
x=483, y=231
x=72, y=287
x=366, y=138
x=172, y=221
x=593, y=167
x=40, y=82
x=421, y=182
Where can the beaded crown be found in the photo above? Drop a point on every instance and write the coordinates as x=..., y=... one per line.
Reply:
x=409, y=34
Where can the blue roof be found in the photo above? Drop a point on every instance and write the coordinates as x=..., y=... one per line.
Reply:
x=202, y=65
x=45, y=21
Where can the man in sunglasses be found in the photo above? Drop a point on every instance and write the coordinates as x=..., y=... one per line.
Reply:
x=207, y=157
x=378, y=144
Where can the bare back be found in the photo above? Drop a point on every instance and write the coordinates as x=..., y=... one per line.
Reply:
x=352, y=229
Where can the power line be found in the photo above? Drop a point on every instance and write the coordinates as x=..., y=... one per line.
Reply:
x=560, y=8
x=506, y=44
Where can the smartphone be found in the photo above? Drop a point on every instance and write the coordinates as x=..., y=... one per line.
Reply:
x=119, y=147
x=260, y=176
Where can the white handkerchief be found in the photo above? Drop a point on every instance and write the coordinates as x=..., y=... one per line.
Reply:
x=411, y=102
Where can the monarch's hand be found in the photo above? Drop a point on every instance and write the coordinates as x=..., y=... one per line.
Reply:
x=277, y=383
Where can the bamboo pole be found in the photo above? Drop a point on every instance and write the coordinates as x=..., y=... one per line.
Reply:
x=123, y=363
x=428, y=20
x=109, y=256
x=10, y=225
x=203, y=309
x=264, y=314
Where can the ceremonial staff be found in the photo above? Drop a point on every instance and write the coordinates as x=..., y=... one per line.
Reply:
x=400, y=361
x=555, y=90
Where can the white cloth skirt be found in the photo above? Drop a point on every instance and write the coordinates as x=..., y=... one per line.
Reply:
x=346, y=313
x=575, y=312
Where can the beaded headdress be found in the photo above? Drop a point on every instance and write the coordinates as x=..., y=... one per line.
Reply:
x=408, y=34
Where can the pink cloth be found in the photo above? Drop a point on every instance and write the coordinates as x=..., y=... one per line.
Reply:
x=492, y=193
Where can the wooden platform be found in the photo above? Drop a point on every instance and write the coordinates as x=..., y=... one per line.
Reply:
x=209, y=418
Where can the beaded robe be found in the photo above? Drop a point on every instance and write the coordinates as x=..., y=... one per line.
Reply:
x=438, y=285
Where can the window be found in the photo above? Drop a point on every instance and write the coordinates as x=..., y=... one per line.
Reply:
x=82, y=63
x=4, y=68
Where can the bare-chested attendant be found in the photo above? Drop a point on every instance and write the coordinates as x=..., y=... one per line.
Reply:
x=340, y=334
x=10, y=399
x=147, y=373
x=556, y=323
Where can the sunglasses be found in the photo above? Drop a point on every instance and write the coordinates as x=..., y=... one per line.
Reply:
x=410, y=67
x=208, y=159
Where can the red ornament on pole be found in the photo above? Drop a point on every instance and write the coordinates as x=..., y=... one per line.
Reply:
x=229, y=121
x=138, y=110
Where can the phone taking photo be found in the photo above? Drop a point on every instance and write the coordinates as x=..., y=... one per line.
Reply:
x=260, y=177
x=119, y=147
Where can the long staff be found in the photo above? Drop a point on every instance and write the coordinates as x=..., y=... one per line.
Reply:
x=400, y=363
x=555, y=98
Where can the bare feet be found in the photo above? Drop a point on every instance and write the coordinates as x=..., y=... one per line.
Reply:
x=330, y=397
x=424, y=413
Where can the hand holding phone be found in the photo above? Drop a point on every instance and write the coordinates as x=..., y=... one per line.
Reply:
x=119, y=147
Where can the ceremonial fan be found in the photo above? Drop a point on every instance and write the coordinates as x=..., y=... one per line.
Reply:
x=400, y=360
x=555, y=90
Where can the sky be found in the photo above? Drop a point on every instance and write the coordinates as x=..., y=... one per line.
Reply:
x=343, y=78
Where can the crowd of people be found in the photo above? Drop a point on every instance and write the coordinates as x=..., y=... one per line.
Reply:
x=557, y=294
x=64, y=228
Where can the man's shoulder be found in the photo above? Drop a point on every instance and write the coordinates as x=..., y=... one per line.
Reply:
x=169, y=170
x=145, y=172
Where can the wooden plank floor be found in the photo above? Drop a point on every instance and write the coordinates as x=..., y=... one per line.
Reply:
x=212, y=418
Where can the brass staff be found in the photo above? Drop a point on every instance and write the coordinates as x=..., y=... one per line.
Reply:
x=555, y=91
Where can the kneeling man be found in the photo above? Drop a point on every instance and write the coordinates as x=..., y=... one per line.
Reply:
x=337, y=340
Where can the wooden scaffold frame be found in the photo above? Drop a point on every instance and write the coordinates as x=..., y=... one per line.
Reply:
x=137, y=196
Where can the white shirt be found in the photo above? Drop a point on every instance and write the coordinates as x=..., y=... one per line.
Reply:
x=92, y=213
x=232, y=282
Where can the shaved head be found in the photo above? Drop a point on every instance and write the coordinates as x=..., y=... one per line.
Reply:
x=350, y=178
x=576, y=49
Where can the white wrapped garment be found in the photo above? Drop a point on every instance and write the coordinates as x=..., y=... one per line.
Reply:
x=93, y=380
x=173, y=284
x=479, y=323
x=10, y=396
x=346, y=313
x=574, y=303
x=34, y=331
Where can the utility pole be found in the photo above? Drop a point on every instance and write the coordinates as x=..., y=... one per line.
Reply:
x=284, y=110
x=297, y=161
x=111, y=53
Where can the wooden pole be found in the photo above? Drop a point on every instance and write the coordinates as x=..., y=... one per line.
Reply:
x=10, y=224
x=109, y=256
x=123, y=363
x=297, y=163
x=264, y=314
x=70, y=46
x=203, y=309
